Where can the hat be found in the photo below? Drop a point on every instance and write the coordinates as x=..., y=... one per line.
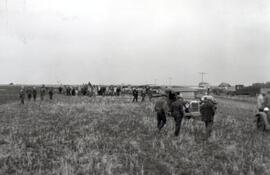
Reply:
x=266, y=109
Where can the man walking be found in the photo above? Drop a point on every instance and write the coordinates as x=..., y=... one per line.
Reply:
x=143, y=94
x=22, y=95
x=207, y=111
x=34, y=91
x=149, y=93
x=135, y=95
x=29, y=94
x=51, y=93
x=161, y=108
x=42, y=92
x=177, y=109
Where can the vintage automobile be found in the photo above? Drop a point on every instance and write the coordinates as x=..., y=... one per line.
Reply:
x=191, y=101
x=192, y=109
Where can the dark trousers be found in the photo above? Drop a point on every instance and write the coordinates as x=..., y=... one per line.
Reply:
x=161, y=119
x=209, y=127
x=178, y=120
x=22, y=100
x=29, y=96
x=143, y=98
x=34, y=97
x=51, y=96
x=135, y=98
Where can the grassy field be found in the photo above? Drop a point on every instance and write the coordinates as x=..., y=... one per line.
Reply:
x=8, y=93
x=111, y=135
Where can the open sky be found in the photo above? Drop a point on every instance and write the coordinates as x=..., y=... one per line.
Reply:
x=134, y=41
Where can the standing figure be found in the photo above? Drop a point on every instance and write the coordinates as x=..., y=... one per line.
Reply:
x=73, y=91
x=135, y=95
x=143, y=94
x=261, y=102
x=22, y=95
x=177, y=109
x=266, y=102
x=51, y=93
x=60, y=89
x=29, y=94
x=161, y=108
x=118, y=91
x=68, y=91
x=42, y=92
x=207, y=110
x=149, y=93
x=34, y=91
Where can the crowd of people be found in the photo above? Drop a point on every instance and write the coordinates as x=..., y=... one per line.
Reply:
x=170, y=104
x=31, y=92
x=81, y=90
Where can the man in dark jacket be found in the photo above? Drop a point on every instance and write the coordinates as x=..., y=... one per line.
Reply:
x=29, y=94
x=143, y=94
x=34, y=91
x=42, y=92
x=22, y=95
x=177, y=110
x=135, y=95
x=51, y=93
x=161, y=108
x=60, y=89
x=207, y=111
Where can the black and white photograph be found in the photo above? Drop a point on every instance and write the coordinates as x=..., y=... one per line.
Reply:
x=134, y=87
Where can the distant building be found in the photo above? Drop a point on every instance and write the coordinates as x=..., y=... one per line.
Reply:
x=204, y=85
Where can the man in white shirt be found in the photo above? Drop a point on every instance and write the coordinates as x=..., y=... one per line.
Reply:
x=261, y=102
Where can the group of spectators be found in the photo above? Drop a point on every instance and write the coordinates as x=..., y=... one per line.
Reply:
x=31, y=92
x=143, y=92
x=90, y=90
x=82, y=90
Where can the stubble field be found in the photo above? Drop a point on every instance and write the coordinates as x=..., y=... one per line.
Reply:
x=111, y=135
x=8, y=93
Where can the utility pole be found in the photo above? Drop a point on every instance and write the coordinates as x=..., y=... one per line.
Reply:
x=202, y=74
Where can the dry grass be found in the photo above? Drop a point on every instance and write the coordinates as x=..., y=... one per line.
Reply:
x=79, y=135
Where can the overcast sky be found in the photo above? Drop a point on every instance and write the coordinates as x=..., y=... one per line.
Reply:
x=134, y=41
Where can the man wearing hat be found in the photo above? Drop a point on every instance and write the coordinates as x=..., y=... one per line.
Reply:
x=161, y=108
x=22, y=95
x=177, y=110
x=42, y=92
x=207, y=110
